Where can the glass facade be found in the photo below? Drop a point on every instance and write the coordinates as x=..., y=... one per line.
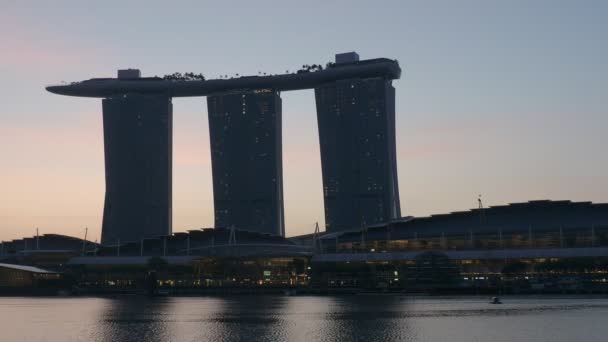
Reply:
x=246, y=154
x=138, y=164
x=356, y=121
x=581, y=237
x=198, y=275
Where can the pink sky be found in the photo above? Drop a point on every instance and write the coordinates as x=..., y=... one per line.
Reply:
x=515, y=112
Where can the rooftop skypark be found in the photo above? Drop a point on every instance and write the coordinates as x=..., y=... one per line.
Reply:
x=189, y=84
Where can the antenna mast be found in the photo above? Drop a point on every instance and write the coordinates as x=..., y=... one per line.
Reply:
x=84, y=242
x=315, y=237
x=480, y=209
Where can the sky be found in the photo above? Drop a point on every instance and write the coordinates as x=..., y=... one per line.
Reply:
x=507, y=99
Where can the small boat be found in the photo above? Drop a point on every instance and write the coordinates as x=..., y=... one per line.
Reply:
x=495, y=300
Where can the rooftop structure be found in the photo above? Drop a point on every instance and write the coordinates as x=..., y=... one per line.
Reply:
x=205, y=242
x=129, y=74
x=44, y=243
x=31, y=269
x=517, y=226
x=347, y=57
x=107, y=87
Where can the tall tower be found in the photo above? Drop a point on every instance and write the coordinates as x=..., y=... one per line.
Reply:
x=138, y=157
x=356, y=119
x=246, y=155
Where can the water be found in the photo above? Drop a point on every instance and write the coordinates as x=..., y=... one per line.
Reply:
x=279, y=318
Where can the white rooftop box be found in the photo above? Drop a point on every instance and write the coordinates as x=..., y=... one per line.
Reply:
x=347, y=57
x=129, y=73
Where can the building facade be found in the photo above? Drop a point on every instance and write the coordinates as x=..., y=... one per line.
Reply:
x=245, y=129
x=536, y=225
x=138, y=164
x=356, y=119
x=246, y=154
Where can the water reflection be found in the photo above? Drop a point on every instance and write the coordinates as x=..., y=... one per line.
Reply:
x=247, y=318
x=147, y=319
x=259, y=318
x=365, y=318
x=314, y=318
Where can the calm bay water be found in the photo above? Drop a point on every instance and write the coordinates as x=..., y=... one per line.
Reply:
x=278, y=318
